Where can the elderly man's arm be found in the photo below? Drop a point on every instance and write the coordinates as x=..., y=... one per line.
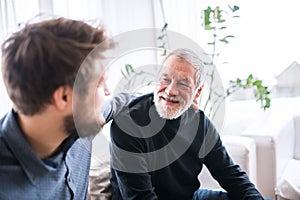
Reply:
x=117, y=104
x=230, y=176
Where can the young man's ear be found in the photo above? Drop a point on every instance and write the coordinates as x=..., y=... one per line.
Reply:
x=62, y=97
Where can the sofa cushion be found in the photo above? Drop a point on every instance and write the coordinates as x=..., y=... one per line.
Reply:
x=243, y=152
x=288, y=186
x=99, y=183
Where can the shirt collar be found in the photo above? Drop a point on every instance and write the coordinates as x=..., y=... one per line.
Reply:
x=32, y=165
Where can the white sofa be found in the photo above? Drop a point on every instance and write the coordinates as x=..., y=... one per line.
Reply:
x=277, y=139
x=243, y=152
x=241, y=149
x=267, y=146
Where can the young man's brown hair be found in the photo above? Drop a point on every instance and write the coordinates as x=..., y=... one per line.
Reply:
x=44, y=56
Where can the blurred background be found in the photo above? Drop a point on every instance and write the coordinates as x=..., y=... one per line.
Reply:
x=255, y=47
x=263, y=35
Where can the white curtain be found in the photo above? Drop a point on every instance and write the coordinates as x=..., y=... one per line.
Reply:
x=118, y=16
x=8, y=24
x=8, y=21
x=183, y=16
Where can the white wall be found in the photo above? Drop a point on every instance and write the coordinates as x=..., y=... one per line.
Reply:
x=266, y=39
x=267, y=33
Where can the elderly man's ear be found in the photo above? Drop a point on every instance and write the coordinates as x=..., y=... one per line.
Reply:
x=195, y=104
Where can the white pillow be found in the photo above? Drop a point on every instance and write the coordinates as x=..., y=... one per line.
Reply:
x=288, y=186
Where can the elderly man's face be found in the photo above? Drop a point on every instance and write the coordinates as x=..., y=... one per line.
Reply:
x=177, y=88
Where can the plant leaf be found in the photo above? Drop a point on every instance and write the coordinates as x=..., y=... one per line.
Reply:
x=218, y=15
x=234, y=8
x=257, y=82
x=267, y=103
x=123, y=74
x=224, y=40
x=164, y=53
x=129, y=69
x=249, y=79
x=161, y=37
x=207, y=21
x=162, y=46
x=229, y=36
x=165, y=27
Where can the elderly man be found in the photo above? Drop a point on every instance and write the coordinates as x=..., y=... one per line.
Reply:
x=42, y=156
x=159, y=143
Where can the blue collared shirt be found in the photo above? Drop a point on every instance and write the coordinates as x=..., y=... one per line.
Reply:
x=23, y=175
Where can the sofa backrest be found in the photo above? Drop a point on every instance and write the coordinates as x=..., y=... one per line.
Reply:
x=297, y=137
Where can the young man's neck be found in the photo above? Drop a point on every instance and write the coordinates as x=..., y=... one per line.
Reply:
x=44, y=132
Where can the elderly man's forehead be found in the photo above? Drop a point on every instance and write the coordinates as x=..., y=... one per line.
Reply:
x=171, y=71
x=177, y=57
x=167, y=72
x=173, y=61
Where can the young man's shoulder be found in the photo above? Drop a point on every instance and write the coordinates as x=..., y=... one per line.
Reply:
x=5, y=122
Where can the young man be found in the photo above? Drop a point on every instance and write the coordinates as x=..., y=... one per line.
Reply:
x=42, y=155
x=159, y=143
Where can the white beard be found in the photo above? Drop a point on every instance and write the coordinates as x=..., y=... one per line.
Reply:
x=167, y=112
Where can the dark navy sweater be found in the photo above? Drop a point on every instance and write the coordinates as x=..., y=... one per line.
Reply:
x=155, y=158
